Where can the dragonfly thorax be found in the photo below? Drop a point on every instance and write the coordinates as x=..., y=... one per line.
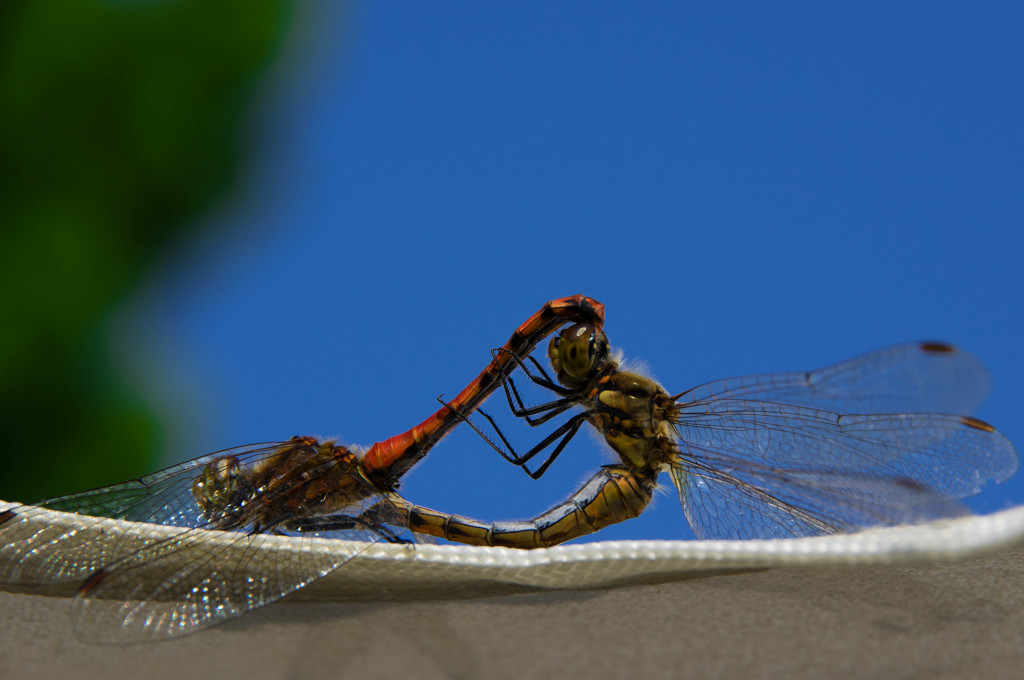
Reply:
x=301, y=479
x=633, y=413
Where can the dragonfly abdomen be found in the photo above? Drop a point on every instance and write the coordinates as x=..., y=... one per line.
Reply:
x=616, y=493
x=386, y=461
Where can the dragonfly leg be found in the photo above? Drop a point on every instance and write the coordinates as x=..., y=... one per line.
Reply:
x=515, y=402
x=565, y=432
x=305, y=525
x=326, y=523
x=569, y=429
x=388, y=460
x=543, y=380
x=520, y=410
x=496, y=353
x=546, y=412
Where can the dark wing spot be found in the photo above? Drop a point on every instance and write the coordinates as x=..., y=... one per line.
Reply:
x=95, y=578
x=911, y=484
x=7, y=516
x=937, y=347
x=977, y=424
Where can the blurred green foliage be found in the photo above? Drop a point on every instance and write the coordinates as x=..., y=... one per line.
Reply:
x=119, y=124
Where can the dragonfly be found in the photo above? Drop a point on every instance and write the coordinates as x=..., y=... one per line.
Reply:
x=174, y=580
x=878, y=440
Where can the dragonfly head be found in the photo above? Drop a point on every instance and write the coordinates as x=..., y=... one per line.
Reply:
x=219, y=487
x=578, y=354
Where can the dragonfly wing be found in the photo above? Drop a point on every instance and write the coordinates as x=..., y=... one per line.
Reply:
x=34, y=551
x=190, y=579
x=183, y=579
x=29, y=554
x=157, y=498
x=144, y=581
x=751, y=469
x=952, y=455
x=919, y=377
x=752, y=502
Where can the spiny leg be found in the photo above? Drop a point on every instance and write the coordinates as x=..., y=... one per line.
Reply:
x=386, y=461
x=544, y=380
x=566, y=432
x=519, y=408
x=346, y=523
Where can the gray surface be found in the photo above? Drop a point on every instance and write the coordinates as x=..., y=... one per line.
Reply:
x=949, y=620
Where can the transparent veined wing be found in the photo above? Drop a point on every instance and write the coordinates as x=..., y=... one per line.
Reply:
x=752, y=469
x=917, y=377
x=33, y=553
x=191, y=579
x=156, y=498
x=756, y=503
x=182, y=576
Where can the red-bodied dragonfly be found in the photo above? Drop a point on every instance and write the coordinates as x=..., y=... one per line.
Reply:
x=178, y=581
x=878, y=440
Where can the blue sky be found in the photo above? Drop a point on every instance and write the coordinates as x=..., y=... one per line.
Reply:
x=747, y=189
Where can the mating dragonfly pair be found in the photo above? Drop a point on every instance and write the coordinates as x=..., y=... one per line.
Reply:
x=877, y=440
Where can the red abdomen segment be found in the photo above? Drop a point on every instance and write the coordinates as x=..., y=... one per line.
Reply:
x=388, y=460
x=613, y=495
